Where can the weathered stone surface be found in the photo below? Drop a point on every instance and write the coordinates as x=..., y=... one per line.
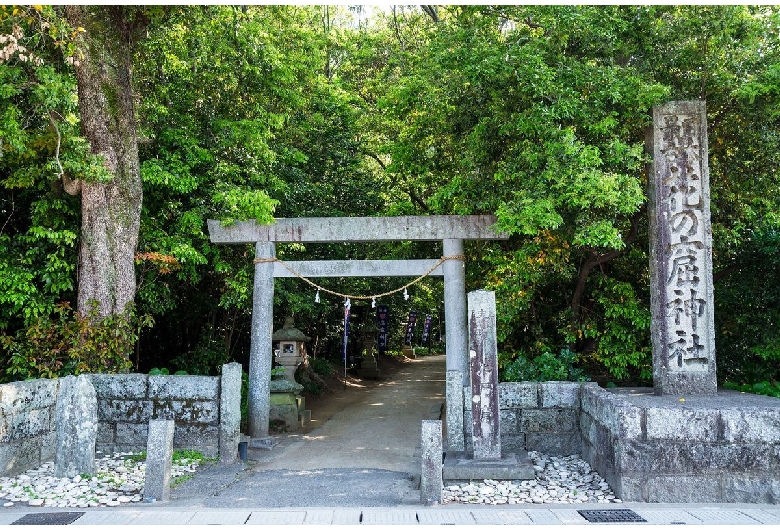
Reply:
x=28, y=395
x=120, y=410
x=684, y=489
x=454, y=413
x=159, y=450
x=560, y=394
x=483, y=356
x=692, y=457
x=31, y=423
x=183, y=387
x=203, y=438
x=229, y=412
x=518, y=395
x=120, y=386
x=751, y=425
x=132, y=434
x=343, y=229
x=630, y=489
x=105, y=433
x=508, y=423
x=681, y=290
x=76, y=427
x=431, y=480
x=559, y=443
x=189, y=411
x=682, y=424
x=759, y=490
x=548, y=420
x=20, y=456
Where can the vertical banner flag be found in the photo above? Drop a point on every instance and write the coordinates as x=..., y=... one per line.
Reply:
x=383, y=324
x=426, y=336
x=410, y=328
x=347, y=307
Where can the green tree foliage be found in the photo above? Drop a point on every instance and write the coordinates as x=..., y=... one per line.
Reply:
x=536, y=114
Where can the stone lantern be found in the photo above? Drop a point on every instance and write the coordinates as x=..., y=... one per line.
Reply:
x=292, y=350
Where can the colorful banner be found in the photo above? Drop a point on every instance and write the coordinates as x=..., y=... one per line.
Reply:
x=426, y=336
x=410, y=328
x=383, y=324
x=347, y=307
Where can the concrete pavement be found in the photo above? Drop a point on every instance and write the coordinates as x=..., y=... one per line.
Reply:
x=559, y=515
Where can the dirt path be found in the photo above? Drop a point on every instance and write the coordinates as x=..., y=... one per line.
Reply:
x=369, y=424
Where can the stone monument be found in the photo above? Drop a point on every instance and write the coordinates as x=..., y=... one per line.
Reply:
x=487, y=460
x=683, y=330
x=292, y=348
x=76, y=427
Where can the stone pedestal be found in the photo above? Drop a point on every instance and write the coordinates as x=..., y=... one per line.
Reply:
x=408, y=351
x=287, y=405
x=462, y=467
x=369, y=369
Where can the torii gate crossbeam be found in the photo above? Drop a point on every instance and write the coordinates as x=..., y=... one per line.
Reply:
x=450, y=229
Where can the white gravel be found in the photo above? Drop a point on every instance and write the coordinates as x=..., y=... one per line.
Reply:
x=119, y=480
x=559, y=479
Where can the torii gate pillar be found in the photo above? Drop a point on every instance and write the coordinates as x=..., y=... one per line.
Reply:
x=450, y=229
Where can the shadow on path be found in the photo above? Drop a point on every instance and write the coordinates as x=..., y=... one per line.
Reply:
x=366, y=454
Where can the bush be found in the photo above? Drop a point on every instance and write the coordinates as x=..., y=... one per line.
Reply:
x=72, y=344
x=207, y=358
x=545, y=367
x=321, y=367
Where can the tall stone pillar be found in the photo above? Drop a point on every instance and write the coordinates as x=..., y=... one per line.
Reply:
x=260, y=352
x=455, y=309
x=681, y=292
x=456, y=339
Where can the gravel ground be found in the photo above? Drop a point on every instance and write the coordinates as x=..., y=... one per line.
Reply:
x=119, y=480
x=559, y=479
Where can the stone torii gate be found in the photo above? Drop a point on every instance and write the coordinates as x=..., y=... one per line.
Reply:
x=452, y=230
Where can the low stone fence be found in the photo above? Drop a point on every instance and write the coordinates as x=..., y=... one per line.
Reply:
x=721, y=448
x=536, y=417
x=206, y=411
x=27, y=424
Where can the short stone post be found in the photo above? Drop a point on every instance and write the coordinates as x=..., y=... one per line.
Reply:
x=483, y=356
x=229, y=412
x=431, y=480
x=76, y=427
x=159, y=453
x=681, y=290
x=454, y=388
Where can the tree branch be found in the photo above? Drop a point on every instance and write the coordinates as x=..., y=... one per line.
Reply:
x=595, y=259
x=72, y=187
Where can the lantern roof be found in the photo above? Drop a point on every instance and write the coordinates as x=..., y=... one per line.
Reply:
x=289, y=332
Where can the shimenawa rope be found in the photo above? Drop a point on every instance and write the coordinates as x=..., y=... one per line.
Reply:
x=459, y=257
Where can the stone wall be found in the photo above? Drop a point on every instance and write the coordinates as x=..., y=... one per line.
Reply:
x=536, y=417
x=126, y=403
x=27, y=424
x=722, y=448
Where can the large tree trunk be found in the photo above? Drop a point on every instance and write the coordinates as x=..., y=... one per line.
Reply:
x=111, y=211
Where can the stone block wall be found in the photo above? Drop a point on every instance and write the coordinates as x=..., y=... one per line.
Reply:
x=722, y=448
x=535, y=417
x=27, y=424
x=126, y=403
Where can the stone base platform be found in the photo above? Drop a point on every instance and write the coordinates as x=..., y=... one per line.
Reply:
x=460, y=466
x=266, y=444
x=683, y=449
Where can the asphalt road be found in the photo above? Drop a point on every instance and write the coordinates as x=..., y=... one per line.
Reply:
x=367, y=453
